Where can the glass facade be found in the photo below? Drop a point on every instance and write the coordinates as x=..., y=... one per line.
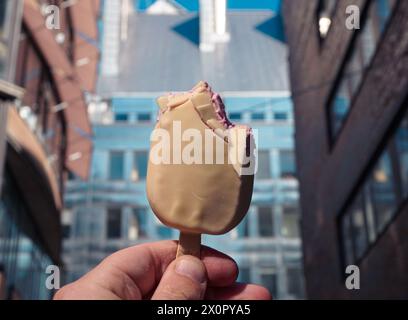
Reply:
x=378, y=199
x=22, y=260
x=8, y=23
x=271, y=225
x=359, y=61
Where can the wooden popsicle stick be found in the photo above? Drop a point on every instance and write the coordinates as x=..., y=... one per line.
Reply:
x=189, y=243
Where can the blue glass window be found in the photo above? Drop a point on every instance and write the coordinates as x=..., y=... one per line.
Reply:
x=269, y=279
x=401, y=140
x=121, y=117
x=340, y=107
x=280, y=116
x=144, y=117
x=359, y=227
x=360, y=58
x=140, y=165
x=138, y=224
x=114, y=223
x=116, y=165
x=287, y=163
x=235, y=116
x=265, y=221
x=383, y=8
x=383, y=193
x=295, y=281
x=258, y=116
x=243, y=228
x=244, y=275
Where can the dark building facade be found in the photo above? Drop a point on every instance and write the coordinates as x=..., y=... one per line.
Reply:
x=45, y=134
x=350, y=90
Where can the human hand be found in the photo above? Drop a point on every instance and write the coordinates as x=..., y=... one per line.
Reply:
x=149, y=271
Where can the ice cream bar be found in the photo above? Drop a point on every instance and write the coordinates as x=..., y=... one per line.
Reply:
x=195, y=178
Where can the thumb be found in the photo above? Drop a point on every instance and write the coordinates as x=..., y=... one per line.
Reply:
x=184, y=279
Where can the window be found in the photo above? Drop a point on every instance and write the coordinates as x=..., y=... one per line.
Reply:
x=280, y=116
x=401, y=141
x=269, y=280
x=264, y=166
x=244, y=275
x=66, y=221
x=140, y=165
x=66, y=231
x=290, y=227
x=137, y=224
x=359, y=59
x=121, y=117
x=369, y=213
x=243, y=228
x=144, y=117
x=258, y=116
x=116, y=165
x=359, y=230
x=114, y=223
x=367, y=42
x=8, y=22
x=371, y=210
x=72, y=176
x=294, y=277
x=383, y=10
x=379, y=197
x=347, y=237
x=383, y=191
x=235, y=116
x=287, y=163
x=340, y=107
x=265, y=222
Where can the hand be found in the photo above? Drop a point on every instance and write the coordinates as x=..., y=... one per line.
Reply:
x=149, y=271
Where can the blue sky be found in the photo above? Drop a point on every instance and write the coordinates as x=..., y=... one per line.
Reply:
x=192, y=5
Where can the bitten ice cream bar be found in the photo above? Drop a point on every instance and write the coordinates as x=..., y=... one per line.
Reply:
x=201, y=167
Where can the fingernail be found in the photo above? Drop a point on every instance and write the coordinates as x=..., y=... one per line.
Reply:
x=191, y=267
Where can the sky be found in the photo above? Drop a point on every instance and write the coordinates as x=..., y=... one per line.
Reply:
x=192, y=5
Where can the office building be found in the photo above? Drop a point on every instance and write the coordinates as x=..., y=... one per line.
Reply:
x=46, y=69
x=349, y=80
x=160, y=53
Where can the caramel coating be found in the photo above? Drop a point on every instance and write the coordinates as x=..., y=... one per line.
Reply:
x=197, y=198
